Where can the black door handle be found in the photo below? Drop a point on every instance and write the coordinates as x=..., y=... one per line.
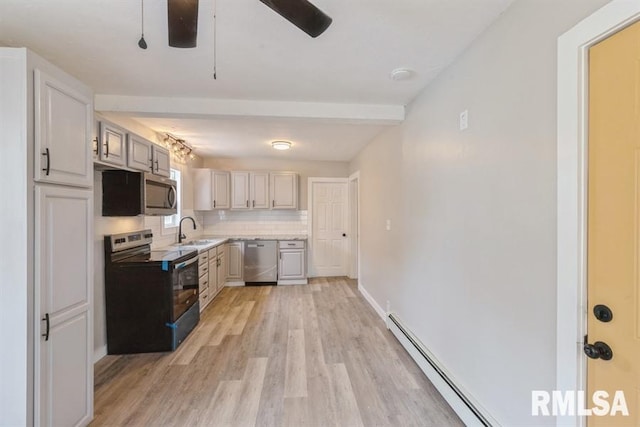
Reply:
x=46, y=334
x=48, y=168
x=344, y=234
x=598, y=350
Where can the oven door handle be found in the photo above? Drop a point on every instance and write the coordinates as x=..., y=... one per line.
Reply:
x=186, y=263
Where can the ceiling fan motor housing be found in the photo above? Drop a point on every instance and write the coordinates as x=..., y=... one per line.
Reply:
x=183, y=23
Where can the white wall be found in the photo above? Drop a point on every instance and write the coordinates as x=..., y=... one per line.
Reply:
x=16, y=230
x=305, y=168
x=470, y=262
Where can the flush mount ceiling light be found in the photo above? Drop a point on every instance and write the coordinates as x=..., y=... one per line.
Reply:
x=401, y=74
x=281, y=145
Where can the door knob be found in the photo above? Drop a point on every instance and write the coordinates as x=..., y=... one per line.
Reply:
x=344, y=234
x=603, y=313
x=598, y=350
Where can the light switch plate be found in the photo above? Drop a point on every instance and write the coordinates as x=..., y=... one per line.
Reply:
x=464, y=120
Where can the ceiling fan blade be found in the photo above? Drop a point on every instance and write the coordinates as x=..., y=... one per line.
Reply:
x=183, y=22
x=302, y=14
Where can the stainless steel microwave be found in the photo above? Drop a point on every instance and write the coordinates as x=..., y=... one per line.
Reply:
x=127, y=193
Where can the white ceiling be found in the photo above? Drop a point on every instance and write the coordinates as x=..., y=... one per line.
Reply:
x=260, y=56
x=251, y=137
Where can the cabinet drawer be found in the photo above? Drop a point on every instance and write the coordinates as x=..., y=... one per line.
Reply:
x=292, y=244
x=203, y=258
x=203, y=283
x=203, y=269
x=204, y=299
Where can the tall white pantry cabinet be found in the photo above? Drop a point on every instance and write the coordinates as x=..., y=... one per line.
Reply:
x=46, y=256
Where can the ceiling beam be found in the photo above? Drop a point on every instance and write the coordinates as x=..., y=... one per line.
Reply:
x=203, y=108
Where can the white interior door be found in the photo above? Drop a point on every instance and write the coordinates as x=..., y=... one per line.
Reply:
x=329, y=223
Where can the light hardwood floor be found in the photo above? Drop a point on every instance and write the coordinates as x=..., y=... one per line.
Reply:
x=314, y=355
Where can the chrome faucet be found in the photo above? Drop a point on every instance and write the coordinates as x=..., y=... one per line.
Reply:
x=180, y=235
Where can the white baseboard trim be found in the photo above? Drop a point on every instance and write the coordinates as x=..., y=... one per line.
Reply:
x=99, y=353
x=232, y=284
x=452, y=396
x=293, y=282
x=372, y=302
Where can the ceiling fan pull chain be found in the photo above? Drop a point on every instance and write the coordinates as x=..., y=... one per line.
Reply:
x=142, y=43
x=215, y=41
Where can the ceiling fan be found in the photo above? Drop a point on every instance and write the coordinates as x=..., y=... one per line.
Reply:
x=183, y=19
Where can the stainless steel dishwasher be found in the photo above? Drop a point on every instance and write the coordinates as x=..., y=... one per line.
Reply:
x=260, y=262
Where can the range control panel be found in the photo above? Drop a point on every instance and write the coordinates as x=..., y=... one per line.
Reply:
x=122, y=241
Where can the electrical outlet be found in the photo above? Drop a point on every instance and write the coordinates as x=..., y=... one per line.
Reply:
x=388, y=225
x=464, y=120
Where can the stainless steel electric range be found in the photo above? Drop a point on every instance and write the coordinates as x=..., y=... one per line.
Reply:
x=151, y=295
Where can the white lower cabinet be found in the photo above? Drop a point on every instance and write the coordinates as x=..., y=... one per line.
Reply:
x=64, y=348
x=203, y=282
x=213, y=272
x=235, y=261
x=221, y=272
x=292, y=266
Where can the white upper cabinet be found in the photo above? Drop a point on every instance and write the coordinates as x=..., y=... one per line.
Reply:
x=145, y=156
x=250, y=190
x=221, y=190
x=139, y=154
x=284, y=190
x=211, y=190
x=63, y=130
x=112, y=144
x=259, y=189
x=161, y=161
x=240, y=190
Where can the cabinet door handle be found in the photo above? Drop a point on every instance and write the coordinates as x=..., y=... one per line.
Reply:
x=214, y=204
x=95, y=150
x=47, y=169
x=157, y=165
x=254, y=203
x=273, y=203
x=247, y=203
x=46, y=320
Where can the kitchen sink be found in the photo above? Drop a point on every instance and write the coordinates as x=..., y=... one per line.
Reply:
x=198, y=242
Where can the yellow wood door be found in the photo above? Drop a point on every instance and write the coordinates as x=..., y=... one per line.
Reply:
x=613, y=243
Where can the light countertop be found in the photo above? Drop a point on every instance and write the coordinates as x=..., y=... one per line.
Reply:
x=205, y=243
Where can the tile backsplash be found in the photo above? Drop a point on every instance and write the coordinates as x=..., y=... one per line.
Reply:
x=245, y=223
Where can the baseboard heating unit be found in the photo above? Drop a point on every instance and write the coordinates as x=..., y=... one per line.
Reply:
x=468, y=410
